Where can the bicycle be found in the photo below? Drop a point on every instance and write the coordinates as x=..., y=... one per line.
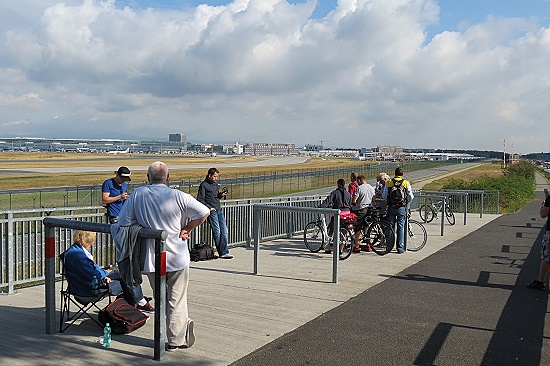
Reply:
x=417, y=235
x=377, y=232
x=429, y=212
x=316, y=237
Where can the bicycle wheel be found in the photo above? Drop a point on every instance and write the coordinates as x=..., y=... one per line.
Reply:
x=313, y=237
x=417, y=236
x=426, y=213
x=346, y=243
x=450, y=215
x=380, y=236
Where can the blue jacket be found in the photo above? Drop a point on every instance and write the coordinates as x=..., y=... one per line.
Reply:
x=337, y=199
x=80, y=270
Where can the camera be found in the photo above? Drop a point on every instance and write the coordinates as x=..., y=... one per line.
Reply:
x=224, y=190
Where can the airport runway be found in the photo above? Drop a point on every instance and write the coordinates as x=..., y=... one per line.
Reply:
x=110, y=166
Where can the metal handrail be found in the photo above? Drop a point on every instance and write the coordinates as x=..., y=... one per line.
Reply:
x=51, y=223
x=336, y=233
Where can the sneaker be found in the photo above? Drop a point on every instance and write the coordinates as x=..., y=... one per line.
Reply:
x=356, y=249
x=172, y=348
x=147, y=308
x=367, y=248
x=226, y=256
x=190, y=336
x=536, y=285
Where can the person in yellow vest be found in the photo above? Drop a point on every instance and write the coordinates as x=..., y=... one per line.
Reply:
x=398, y=193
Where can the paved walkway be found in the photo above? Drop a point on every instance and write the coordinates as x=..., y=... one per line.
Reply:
x=459, y=301
x=464, y=305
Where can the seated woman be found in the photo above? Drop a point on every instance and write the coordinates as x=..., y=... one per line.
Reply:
x=81, y=267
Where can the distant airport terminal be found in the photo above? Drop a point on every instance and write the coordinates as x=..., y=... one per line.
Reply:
x=177, y=144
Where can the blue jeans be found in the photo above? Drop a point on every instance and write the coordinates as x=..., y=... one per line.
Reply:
x=398, y=215
x=219, y=231
x=118, y=286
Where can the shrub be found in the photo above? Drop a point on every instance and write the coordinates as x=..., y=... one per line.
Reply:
x=516, y=187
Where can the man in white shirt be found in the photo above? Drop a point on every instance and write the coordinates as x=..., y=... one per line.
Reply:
x=361, y=200
x=160, y=207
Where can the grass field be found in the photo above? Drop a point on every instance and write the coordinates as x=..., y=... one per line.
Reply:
x=488, y=170
x=52, y=160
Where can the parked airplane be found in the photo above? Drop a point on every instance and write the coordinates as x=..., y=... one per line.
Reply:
x=117, y=152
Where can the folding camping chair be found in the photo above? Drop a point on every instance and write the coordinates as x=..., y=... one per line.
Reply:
x=84, y=304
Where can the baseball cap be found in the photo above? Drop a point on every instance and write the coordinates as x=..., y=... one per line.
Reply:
x=124, y=173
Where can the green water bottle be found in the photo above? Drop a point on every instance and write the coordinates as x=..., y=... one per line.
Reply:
x=107, y=336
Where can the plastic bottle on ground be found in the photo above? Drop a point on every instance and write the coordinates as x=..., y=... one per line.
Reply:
x=107, y=336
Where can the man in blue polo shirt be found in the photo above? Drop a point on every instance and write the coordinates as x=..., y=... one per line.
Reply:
x=115, y=192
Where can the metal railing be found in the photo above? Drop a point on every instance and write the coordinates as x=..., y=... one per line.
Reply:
x=52, y=225
x=287, y=211
x=22, y=250
x=477, y=201
x=22, y=253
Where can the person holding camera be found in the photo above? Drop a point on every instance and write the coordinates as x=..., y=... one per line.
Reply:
x=114, y=193
x=209, y=195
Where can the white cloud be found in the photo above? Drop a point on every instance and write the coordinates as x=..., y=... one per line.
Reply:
x=263, y=70
x=25, y=101
x=14, y=123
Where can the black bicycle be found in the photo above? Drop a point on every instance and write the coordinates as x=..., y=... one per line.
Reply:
x=377, y=232
x=428, y=212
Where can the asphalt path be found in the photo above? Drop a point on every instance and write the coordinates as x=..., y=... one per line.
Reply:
x=467, y=304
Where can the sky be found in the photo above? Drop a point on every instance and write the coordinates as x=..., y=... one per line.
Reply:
x=449, y=74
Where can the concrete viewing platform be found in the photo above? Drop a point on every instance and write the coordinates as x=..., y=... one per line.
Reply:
x=459, y=301
x=235, y=311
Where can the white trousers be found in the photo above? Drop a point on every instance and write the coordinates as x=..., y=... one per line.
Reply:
x=177, y=316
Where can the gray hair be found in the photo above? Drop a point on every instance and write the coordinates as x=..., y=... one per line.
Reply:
x=157, y=172
x=383, y=176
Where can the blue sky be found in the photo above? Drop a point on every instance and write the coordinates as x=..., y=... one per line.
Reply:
x=457, y=74
x=453, y=12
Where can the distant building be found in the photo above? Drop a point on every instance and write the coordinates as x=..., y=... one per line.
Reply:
x=259, y=148
x=313, y=147
x=176, y=137
x=231, y=149
x=389, y=152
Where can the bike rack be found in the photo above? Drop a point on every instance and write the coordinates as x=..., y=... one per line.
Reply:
x=463, y=194
x=335, y=236
x=432, y=197
x=468, y=191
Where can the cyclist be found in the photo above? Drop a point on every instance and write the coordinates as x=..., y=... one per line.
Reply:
x=339, y=199
x=352, y=186
x=361, y=200
x=398, y=193
x=381, y=181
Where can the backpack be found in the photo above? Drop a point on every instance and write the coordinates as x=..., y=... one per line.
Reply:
x=202, y=252
x=397, y=195
x=122, y=317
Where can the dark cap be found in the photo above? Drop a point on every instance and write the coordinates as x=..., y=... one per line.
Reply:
x=124, y=173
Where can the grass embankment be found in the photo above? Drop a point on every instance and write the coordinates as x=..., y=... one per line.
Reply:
x=516, y=183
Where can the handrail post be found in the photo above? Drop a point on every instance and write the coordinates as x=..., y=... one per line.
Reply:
x=49, y=246
x=256, y=233
x=335, y=247
x=465, y=206
x=249, y=224
x=160, y=298
x=10, y=260
x=443, y=213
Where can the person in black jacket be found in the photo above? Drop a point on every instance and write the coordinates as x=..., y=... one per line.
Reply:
x=209, y=195
x=339, y=199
